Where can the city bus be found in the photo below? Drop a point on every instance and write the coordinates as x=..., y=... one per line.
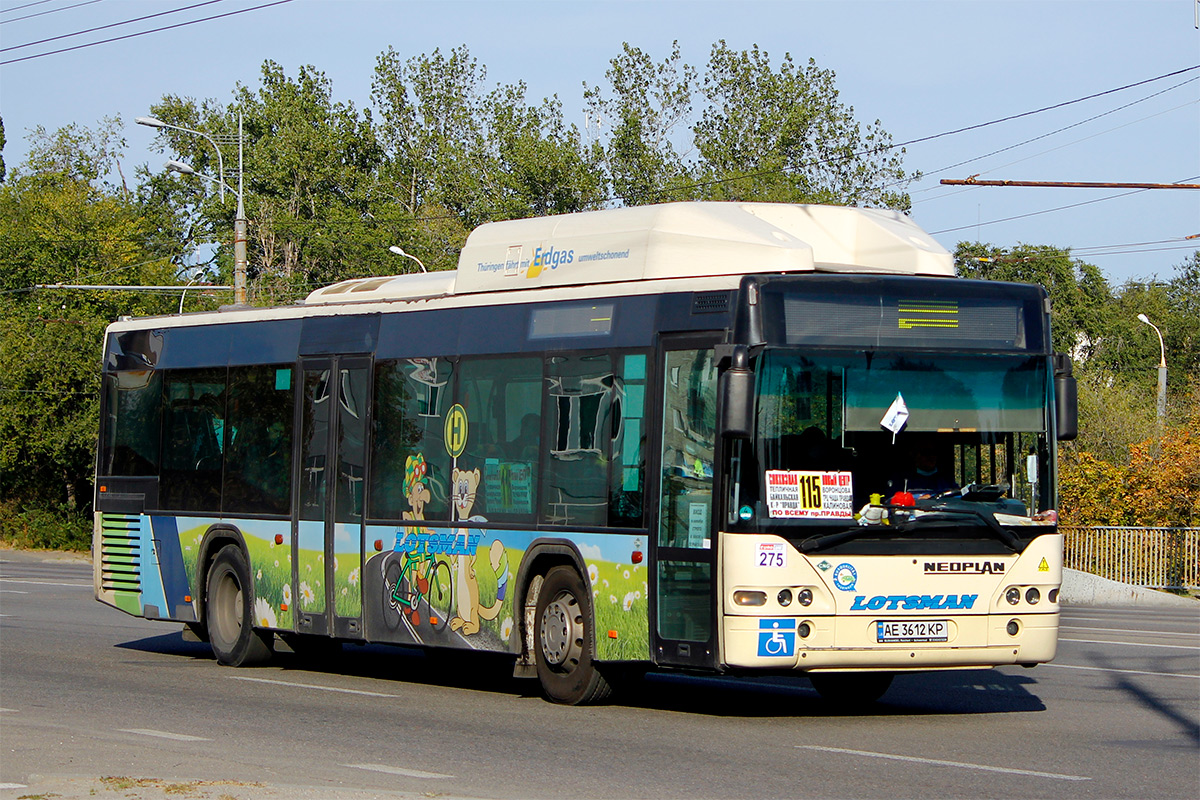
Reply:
x=734, y=438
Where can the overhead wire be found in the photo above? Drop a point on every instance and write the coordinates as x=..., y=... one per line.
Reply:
x=921, y=139
x=27, y=5
x=1050, y=210
x=1058, y=131
x=50, y=11
x=110, y=25
x=144, y=33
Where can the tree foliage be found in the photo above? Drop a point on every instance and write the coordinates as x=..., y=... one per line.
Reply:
x=765, y=133
x=1120, y=471
x=59, y=224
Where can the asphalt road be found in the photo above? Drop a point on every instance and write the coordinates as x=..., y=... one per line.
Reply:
x=95, y=703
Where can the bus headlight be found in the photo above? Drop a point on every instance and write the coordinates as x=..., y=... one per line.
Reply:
x=1013, y=595
x=1013, y=627
x=805, y=597
x=1032, y=596
x=784, y=597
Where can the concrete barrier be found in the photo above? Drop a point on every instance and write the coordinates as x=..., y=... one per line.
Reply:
x=1085, y=589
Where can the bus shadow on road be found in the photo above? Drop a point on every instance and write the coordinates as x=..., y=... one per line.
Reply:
x=978, y=691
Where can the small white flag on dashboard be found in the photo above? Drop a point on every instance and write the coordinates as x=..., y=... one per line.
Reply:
x=895, y=417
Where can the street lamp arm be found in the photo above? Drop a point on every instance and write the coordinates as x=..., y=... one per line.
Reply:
x=400, y=252
x=1162, y=348
x=185, y=169
x=152, y=122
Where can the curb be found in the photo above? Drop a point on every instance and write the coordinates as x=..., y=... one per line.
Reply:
x=1085, y=589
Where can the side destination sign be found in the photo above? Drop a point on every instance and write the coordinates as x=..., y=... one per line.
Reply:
x=912, y=602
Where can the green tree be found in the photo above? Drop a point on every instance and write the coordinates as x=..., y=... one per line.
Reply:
x=58, y=224
x=310, y=181
x=782, y=135
x=646, y=107
x=454, y=145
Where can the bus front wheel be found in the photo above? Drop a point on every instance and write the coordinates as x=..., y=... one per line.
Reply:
x=229, y=612
x=565, y=643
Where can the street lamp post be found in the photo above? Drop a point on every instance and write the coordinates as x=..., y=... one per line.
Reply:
x=1162, y=374
x=239, y=220
x=398, y=250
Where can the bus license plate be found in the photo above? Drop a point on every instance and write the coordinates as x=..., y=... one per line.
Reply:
x=911, y=630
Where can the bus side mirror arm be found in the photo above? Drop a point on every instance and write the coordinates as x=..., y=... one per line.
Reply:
x=736, y=388
x=1066, y=398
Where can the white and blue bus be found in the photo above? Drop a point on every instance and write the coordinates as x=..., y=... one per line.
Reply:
x=728, y=437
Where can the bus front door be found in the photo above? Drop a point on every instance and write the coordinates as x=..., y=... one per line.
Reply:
x=684, y=625
x=327, y=571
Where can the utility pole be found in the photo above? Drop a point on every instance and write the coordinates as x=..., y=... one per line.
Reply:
x=239, y=233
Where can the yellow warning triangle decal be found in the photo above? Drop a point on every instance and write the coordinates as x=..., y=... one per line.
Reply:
x=1043, y=567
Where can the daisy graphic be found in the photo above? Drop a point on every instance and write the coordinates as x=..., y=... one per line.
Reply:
x=264, y=615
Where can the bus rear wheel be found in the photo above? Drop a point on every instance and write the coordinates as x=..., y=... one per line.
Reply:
x=229, y=612
x=565, y=643
x=853, y=689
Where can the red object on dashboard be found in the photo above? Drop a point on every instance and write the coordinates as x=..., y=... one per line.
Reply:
x=904, y=499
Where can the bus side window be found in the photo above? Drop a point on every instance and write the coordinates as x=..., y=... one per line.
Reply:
x=410, y=468
x=258, y=450
x=193, y=439
x=134, y=406
x=593, y=440
x=497, y=471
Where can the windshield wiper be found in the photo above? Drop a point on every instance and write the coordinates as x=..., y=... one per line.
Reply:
x=830, y=539
x=941, y=512
x=932, y=515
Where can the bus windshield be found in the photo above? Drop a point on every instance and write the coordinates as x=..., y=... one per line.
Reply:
x=836, y=433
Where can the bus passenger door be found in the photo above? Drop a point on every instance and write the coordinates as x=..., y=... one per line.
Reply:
x=684, y=624
x=327, y=585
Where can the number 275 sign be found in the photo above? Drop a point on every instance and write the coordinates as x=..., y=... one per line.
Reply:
x=772, y=554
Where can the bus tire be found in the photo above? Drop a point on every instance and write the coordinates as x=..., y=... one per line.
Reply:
x=565, y=642
x=229, y=612
x=852, y=689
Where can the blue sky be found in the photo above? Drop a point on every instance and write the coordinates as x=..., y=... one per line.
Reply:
x=921, y=67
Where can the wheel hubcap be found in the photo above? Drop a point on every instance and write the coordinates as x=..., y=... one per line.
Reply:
x=561, y=632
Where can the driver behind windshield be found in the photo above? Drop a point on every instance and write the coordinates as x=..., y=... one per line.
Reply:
x=927, y=474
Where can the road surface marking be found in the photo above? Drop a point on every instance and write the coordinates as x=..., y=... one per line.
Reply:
x=940, y=763
x=45, y=583
x=13, y=786
x=1133, y=644
x=1125, y=671
x=410, y=773
x=179, y=737
x=311, y=686
x=1126, y=630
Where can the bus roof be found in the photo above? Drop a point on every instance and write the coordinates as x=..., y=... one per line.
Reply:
x=672, y=240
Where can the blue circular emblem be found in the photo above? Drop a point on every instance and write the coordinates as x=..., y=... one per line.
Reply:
x=844, y=577
x=745, y=512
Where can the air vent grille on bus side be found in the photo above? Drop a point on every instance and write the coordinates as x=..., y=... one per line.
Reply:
x=120, y=553
x=710, y=302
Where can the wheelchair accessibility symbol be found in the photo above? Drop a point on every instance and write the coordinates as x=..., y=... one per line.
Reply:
x=776, y=638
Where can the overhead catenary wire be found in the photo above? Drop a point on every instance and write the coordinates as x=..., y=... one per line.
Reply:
x=50, y=11
x=110, y=25
x=143, y=33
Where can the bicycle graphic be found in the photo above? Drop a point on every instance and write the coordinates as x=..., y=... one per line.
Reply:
x=411, y=580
